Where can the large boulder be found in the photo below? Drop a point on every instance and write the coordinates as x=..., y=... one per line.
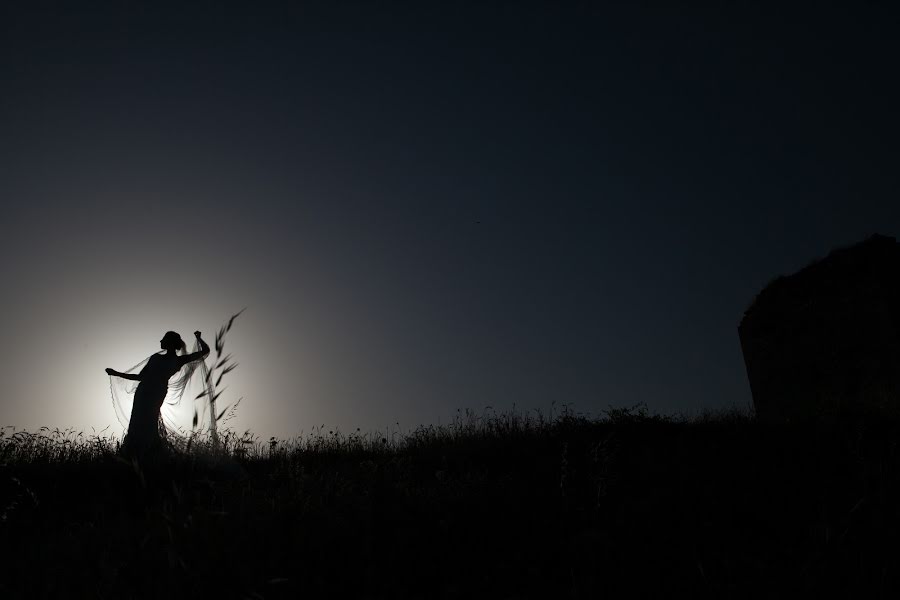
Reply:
x=824, y=343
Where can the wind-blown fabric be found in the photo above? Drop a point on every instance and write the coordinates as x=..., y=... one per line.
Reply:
x=178, y=417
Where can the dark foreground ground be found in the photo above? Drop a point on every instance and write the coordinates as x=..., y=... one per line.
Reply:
x=503, y=507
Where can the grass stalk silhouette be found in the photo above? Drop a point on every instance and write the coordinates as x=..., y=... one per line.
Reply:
x=223, y=364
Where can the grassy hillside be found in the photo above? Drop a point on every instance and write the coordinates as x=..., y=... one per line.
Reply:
x=493, y=506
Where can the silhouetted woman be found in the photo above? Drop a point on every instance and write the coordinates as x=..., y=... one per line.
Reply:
x=144, y=425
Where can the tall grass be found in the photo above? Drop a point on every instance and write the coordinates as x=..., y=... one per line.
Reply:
x=508, y=505
x=54, y=446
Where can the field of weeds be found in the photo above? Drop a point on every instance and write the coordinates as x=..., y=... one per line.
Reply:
x=499, y=506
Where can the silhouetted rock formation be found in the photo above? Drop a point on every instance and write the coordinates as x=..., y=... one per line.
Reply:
x=824, y=343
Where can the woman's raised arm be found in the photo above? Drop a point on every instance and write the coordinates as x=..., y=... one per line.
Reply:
x=199, y=355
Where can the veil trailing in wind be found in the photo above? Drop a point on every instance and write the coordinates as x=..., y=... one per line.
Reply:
x=179, y=417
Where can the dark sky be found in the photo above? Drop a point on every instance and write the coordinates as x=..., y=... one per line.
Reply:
x=426, y=207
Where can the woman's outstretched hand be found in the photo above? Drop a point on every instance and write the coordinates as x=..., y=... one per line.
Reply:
x=111, y=372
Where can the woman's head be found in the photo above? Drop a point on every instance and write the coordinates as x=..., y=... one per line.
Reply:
x=172, y=341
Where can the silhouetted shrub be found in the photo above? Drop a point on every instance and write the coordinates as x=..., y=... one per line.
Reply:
x=824, y=343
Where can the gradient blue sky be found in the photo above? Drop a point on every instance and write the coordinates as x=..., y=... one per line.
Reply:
x=425, y=207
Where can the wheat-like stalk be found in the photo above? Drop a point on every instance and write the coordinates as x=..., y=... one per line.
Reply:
x=223, y=364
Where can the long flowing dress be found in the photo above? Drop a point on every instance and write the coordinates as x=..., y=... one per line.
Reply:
x=146, y=433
